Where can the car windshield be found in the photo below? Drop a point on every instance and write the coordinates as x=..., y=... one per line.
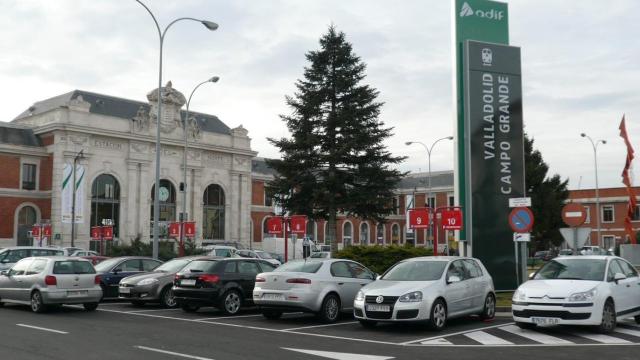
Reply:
x=416, y=271
x=205, y=266
x=263, y=255
x=172, y=266
x=300, y=266
x=106, y=265
x=73, y=267
x=222, y=252
x=3, y=253
x=573, y=269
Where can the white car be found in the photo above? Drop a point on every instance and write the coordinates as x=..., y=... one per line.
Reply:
x=579, y=290
x=259, y=254
x=222, y=251
x=431, y=289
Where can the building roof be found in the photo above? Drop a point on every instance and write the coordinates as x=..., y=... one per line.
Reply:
x=439, y=179
x=259, y=166
x=11, y=134
x=117, y=107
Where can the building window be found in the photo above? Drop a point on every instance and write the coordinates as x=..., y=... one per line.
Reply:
x=27, y=217
x=167, y=206
x=396, y=205
x=608, y=241
x=452, y=200
x=636, y=214
x=105, y=205
x=312, y=230
x=395, y=234
x=607, y=213
x=380, y=233
x=431, y=202
x=213, y=213
x=587, y=209
x=364, y=233
x=268, y=200
x=29, y=176
x=347, y=233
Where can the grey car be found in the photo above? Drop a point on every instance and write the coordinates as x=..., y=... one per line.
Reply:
x=154, y=286
x=43, y=281
x=321, y=286
x=9, y=256
x=429, y=289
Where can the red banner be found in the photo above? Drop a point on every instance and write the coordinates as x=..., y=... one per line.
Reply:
x=299, y=224
x=419, y=218
x=35, y=232
x=627, y=181
x=174, y=230
x=190, y=229
x=95, y=232
x=274, y=225
x=107, y=232
x=46, y=231
x=452, y=219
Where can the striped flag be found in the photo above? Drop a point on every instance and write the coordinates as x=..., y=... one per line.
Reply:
x=627, y=180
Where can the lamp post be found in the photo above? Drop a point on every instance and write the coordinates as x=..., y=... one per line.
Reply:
x=156, y=200
x=429, y=150
x=183, y=215
x=595, y=144
x=79, y=155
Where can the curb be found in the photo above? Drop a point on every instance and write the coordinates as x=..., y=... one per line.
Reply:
x=503, y=309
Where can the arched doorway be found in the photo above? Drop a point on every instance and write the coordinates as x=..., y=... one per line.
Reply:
x=105, y=205
x=27, y=217
x=213, y=213
x=364, y=233
x=347, y=233
x=167, y=206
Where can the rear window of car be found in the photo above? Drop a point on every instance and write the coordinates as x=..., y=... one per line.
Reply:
x=205, y=266
x=300, y=266
x=73, y=267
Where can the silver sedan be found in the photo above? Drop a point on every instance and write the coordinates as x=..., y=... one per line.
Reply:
x=43, y=281
x=323, y=286
x=430, y=289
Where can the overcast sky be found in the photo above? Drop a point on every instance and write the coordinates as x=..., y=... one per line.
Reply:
x=580, y=59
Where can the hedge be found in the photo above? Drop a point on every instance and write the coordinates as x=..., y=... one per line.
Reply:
x=380, y=258
x=167, y=250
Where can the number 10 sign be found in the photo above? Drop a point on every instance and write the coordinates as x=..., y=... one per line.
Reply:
x=452, y=219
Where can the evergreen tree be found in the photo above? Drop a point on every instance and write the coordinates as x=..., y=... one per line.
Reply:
x=548, y=196
x=335, y=161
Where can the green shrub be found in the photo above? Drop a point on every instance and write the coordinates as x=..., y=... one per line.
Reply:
x=167, y=250
x=380, y=258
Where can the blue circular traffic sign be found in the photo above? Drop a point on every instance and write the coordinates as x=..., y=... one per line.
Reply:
x=521, y=220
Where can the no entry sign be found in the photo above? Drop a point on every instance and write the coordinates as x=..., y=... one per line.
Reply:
x=521, y=220
x=574, y=214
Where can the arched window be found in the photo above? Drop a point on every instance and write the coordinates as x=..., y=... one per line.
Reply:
x=347, y=233
x=27, y=217
x=312, y=230
x=265, y=229
x=167, y=201
x=380, y=234
x=213, y=213
x=105, y=202
x=395, y=234
x=364, y=233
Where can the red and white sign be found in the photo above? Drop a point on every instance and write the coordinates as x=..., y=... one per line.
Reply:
x=107, y=232
x=298, y=224
x=574, y=214
x=419, y=218
x=35, y=232
x=95, y=232
x=452, y=219
x=274, y=225
x=190, y=229
x=174, y=230
x=46, y=231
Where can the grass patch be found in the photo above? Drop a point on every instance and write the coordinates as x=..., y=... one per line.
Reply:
x=504, y=298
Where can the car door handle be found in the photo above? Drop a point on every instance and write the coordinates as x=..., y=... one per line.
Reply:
x=340, y=283
x=366, y=284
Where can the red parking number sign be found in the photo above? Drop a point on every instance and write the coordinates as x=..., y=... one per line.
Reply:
x=419, y=218
x=46, y=231
x=95, y=232
x=107, y=232
x=452, y=220
x=35, y=232
x=274, y=225
x=298, y=224
x=190, y=229
x=174, y=229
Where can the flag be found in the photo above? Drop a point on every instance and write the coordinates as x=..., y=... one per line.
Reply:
x=628, y=182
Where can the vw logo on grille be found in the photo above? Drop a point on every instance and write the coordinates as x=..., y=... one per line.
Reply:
x=380, y=299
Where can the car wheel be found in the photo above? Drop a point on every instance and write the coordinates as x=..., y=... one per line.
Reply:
x=137, y=303
x=168, y=298
x=272, y=314
x=438, y=318
x=231, y=302
x=636, y=318
x=330, y=309
x=368, y=323
x=189, y=308
x=37, y=306
x=489, y=311
x=90, y=306
x=525, y=326
x=608, y=323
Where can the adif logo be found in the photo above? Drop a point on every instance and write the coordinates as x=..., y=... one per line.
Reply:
x=492, y=14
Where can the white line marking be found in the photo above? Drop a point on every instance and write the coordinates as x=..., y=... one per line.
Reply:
x=150, y=310
x=317, y=326
x=451, y=334
x=341, y=356
x=605, y=339
x=535, y=336
x=627, y=331
x=573, y=214
x=229, y=317
x=440, y=342
x=43, y=329
x=171, y=353
x=485, y=338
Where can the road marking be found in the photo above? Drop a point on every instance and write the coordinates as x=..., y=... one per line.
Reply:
x=150, y=310
x=605, y=339
x=229, y=317
x=317, y=326
x=627, y=331
x=43, y=329
x=441, y=341
x=171, y=353
x=340, y=356
x=534, y=335
x=451, y=334
x=485, y=338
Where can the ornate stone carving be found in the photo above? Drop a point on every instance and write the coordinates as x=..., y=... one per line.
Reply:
x=172, y=101
x=194, y=129
x=194, y=155
x=139, y=147
x=218, y=159
x=141, y=120
x=241, y=160
x=79, y=104
x=78, y=140
x=240, y=131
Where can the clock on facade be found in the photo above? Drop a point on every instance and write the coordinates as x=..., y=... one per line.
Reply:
x=164, y=193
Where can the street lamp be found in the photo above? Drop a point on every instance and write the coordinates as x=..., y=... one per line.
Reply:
x=595, y=160
x=429, y=150
x=79, y=155
x=156, y=201
x=183, y=215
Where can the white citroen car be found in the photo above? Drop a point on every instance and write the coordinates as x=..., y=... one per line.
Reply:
x=430, y=289
x=579, y=290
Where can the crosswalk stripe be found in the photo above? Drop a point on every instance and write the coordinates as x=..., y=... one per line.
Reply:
x=535, y=336
x=627, y=331
x=486, y=338
x=605, y=339
x=439, y=341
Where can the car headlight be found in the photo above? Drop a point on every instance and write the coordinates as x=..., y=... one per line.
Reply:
x=415, y=296
x=360, y=296
x=583, y=296
x=519, y=295
x=148, y=282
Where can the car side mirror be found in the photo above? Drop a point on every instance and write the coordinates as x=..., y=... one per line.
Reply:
x=4, y=272
x=619, y=276
x=453, y=279
x=377, y=277
x=532, y=275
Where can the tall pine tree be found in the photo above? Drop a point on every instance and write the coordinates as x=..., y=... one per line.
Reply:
x=335, y=161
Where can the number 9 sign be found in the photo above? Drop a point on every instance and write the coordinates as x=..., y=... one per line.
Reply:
x=419, y=218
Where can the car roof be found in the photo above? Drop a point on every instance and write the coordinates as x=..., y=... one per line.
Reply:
x=32, y=248
x=438, y=258
x=59, y=258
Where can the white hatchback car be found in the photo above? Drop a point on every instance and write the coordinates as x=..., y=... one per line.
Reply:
x=579, y=290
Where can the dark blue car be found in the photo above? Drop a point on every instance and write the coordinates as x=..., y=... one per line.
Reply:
x=113, y=270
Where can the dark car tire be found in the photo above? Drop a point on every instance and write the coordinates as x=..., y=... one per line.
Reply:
x=526, y=326
x=37, y=306
x=168, y=298
x=438, y=315
x=330, y=309
x=190, y=308
x=636, y=318
x=489, y=310
x=272, y=314
x=231, y=302
x=368, y=323
x=90, y=306
x=137, y=303
x=608, y=323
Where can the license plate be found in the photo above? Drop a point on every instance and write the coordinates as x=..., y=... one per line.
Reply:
x=385, y=308
x=188, y=282
x=76, y=293
x=125, y=290
x=545, y=320
x=272, y=297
